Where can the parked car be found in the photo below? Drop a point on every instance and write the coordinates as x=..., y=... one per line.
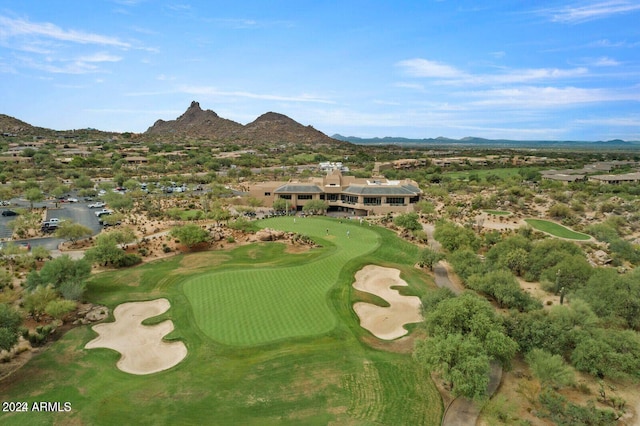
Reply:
x=72, y=200
x=49, y=227
x=9, y=213
x=96, y=205
x=102, y=212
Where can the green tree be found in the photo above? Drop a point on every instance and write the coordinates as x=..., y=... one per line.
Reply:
x=550, y=369
x=40, y=253
x=107, y=250
x=465, y=335
x=10, y=321
x=33, y=195
x=118, y=201
x=429, y=257
x=466, y=263
x=190, y=235
x=73, y=231
x=408, y=221
x=58, y=273
x=454, y=237
x=280, y=204
x=504, y=288
x=460, y=360
x=315, y=207
x=614, y=297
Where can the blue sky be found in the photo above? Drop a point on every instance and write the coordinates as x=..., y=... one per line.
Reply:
x=412, y=68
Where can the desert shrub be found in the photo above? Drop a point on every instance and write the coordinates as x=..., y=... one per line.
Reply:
x=128, y=259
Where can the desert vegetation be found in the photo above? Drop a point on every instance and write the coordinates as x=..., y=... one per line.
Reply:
x=265, y=306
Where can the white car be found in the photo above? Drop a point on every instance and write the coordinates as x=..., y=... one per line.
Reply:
x=72, y=200
x=102, y=212
x=96, y=205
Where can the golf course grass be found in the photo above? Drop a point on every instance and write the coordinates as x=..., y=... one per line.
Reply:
x=317, y=371
x=556, y=230
x=498, y=212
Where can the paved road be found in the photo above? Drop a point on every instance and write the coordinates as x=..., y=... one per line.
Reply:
x=463, y=411
x=442, y=278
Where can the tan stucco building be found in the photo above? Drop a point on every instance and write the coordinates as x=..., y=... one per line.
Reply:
x=353, y=195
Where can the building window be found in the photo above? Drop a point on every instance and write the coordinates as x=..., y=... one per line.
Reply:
x=349, y=199
x=372, y=201
x=305, y=197
x=267, y=194
x=395, y=201
x=332, y=197
x=285, y=196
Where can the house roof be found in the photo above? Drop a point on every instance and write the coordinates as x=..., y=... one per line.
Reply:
x=298, y=189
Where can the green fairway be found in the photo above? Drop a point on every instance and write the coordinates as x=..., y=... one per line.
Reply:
x=556, y=230
x=285, y=371
x=498, y=212
x=265, y=303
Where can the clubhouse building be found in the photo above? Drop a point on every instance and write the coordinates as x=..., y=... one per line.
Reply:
x=356, y=196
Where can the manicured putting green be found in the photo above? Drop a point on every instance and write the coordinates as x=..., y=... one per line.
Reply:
x=255, y=306
x=556, y=230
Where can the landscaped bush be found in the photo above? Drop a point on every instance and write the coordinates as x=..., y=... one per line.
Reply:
x=128, y=259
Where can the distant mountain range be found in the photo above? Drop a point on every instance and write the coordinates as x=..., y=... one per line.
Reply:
x=269, y=128
x=470, y=142
x=274, y=128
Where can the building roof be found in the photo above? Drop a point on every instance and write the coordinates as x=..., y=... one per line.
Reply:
x=381, y=190
x=631, y=177
x=298, y=189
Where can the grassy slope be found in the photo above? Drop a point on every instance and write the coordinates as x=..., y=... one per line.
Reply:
x=331, y=377
x=556, y=230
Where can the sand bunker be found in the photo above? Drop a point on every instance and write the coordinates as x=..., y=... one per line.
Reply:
x=385, y=323
x=142, y=348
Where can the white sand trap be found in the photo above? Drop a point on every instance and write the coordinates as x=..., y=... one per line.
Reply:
x=385, y=323
x=142, y=348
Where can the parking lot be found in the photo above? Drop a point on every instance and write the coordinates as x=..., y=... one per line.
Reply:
x=76, y=212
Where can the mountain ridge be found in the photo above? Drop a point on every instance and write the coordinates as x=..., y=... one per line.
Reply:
x=270, y=127
x=473, y=141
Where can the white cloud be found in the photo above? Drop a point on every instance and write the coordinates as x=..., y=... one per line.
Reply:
x=21, y=27
x=447, y=74
x=543, y=97
x=584, y=13
x=418, y=67
x=606, y=62
x=626, y=121
x=100, y=57
x=212, y=91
